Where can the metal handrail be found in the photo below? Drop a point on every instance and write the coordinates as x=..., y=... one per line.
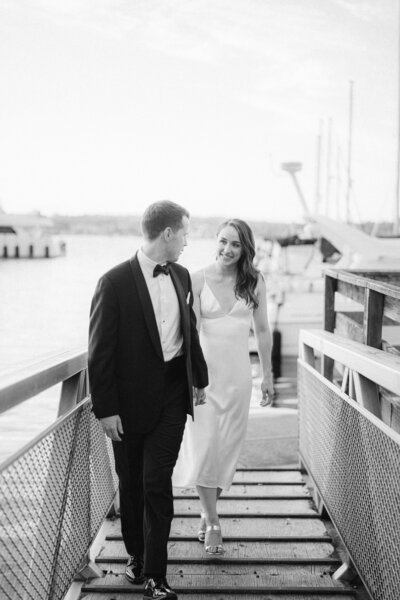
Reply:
x=20, y=384
x=53, y=428
x=351, y=455
x=56, y=490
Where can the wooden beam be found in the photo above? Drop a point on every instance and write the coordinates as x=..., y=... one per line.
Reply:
x=307, y=354
x=351, y=391
x=329, y=310
x=375, y=364
x=327, y=366
x=345, y=381
x=349, y=327
x=392, y=308
x=367, y=394
x=387, y=289
x=351, y=290
x=373, y=318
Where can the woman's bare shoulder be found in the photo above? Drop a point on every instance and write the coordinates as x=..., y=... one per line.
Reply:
x=198, y=278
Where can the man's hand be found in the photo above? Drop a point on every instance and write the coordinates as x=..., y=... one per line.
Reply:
x=112, y=427
x=199, y=396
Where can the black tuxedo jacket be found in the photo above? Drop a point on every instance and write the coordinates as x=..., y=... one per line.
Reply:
x=126, y=364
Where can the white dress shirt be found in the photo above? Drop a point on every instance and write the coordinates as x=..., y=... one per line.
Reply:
x=166, y=308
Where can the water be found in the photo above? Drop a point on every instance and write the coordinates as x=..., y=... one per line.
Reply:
x=44, y=308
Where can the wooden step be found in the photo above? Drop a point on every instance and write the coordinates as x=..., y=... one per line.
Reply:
x=257, y=507
x=273, y=476
x=248, y=490
x=272, y=551
x=239, y=527
x=316, y=594
x=298, y=484
x=217, y=579
x=276, y=547
x=108, y=563
x=235, y=574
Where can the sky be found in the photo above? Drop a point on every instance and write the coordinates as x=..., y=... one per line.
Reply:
x=109, y=105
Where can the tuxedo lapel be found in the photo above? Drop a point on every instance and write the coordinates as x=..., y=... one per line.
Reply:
x=147, y=305
x=183, y=307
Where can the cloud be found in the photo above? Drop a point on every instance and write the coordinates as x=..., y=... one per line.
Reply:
x=365, y=10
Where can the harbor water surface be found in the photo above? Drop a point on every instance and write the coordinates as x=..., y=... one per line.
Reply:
x=44, y=309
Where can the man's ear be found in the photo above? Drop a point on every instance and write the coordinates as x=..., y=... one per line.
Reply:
x=167, y=233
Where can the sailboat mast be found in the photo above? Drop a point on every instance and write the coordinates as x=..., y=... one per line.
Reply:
x=328, y=169
x=338, y=183
x=318, y=171
x=349, y=156
x=397, y=197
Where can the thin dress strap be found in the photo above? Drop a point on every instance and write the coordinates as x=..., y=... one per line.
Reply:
x=204, y=276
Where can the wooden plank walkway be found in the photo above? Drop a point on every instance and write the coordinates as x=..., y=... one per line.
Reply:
x=276, y=546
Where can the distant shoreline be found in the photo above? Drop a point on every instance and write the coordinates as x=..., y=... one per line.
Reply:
x=201, y=227
x=130, y=225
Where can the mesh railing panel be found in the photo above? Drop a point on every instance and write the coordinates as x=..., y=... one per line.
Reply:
x=356, y=467
x=53, y=500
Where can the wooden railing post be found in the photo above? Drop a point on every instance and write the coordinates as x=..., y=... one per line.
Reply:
x=329, y=312
x=306, y=353
x=367, y=394
x=329, y=321
x=73, y=390
x=373, y=318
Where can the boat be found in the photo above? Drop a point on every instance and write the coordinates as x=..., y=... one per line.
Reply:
x=294, y=270
x=28, y=236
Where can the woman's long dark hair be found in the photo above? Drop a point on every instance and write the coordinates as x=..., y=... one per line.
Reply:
x=247, y=274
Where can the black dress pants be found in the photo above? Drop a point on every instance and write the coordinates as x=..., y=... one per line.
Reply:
x=144, y=464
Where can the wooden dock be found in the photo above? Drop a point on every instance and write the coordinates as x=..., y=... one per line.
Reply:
x=279, y=542
x=277, y=546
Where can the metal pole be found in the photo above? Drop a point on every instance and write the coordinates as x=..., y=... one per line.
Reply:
x=318, y=170
x=349, y=180
x=328, y=168
x=397, y=197
x=338, y=183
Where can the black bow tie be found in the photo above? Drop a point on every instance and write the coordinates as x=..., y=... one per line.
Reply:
x=161, y=269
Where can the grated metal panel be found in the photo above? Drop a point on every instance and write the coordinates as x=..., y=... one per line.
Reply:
x=356, y=465
x=53, y=500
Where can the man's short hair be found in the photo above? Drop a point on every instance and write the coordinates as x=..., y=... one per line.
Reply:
x=160, y=215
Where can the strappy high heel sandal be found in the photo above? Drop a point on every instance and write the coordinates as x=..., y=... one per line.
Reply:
x=213, y=540
x=201, y=534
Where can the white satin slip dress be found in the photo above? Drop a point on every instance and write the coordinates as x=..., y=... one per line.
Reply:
x=212, y=443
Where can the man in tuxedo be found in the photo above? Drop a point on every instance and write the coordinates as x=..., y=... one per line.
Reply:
x=146, y=368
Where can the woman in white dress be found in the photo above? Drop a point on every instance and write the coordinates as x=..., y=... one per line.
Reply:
x=229, y=297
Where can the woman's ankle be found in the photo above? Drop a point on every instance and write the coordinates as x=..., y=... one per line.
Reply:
x=212, y=520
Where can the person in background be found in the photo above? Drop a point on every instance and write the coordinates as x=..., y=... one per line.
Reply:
x=144, y=359
x=229, y=298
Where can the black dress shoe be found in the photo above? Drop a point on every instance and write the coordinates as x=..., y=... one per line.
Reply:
x=159, y=589
x=134, y=570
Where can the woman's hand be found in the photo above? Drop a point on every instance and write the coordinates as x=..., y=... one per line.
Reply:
x=199, y=395
x=267, y=390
